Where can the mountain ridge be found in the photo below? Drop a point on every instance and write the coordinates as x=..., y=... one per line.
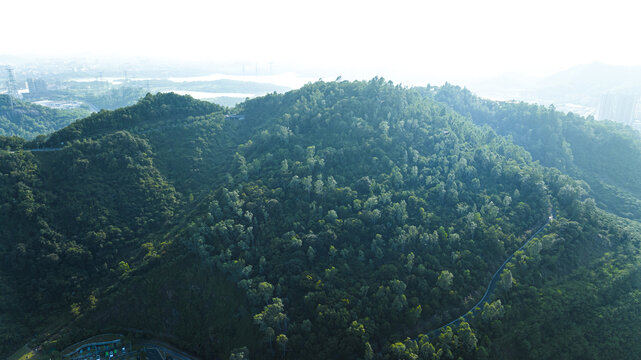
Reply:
x=27, y=120
x=340, y=220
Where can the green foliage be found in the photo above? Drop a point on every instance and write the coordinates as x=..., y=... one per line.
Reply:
x=341, y=220
x=352, y=228
x=580, y=288
x=604, y=154
x=28, y=120
x=111, y=99
x=12, y=143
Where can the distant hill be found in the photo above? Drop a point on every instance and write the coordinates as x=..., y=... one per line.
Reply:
x=596, y=78
x=579, y=89
x=220, y=86
x=604, y=154
x=343, y=220
x=30, y=120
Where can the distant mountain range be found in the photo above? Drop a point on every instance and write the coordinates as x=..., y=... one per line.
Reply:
x=585, y=89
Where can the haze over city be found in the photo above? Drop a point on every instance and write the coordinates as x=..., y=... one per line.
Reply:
x=413, y=42
x=284, y=180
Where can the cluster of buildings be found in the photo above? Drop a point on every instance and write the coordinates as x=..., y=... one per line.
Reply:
x=116, y=347
x=98, y=349
x=620, y=107
x=37, y=88
x=34, y=88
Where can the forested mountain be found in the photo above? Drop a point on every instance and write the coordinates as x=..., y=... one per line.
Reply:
x=30, y=120
x=604, y=154
x=342, y=220
x=109, y=99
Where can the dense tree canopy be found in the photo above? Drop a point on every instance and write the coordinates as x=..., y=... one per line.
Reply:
x=30, y=120
x=343, y=220
x=604, y=154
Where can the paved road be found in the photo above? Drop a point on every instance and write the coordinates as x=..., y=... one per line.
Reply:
x=153, y=354
x=492, y=286
x=153, y=347
x=44, y=149
x=37, y=150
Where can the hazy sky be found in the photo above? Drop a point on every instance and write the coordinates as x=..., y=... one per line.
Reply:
x=444, y=39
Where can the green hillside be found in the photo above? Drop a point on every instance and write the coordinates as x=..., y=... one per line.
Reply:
x=342, y=220
x=30, y=120
x=604, y=154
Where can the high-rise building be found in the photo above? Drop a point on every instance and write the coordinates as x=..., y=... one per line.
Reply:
x=618, y=107
x=12, y=88
x=37, y=87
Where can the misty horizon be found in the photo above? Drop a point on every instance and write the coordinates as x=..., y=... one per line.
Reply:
x=415, y=40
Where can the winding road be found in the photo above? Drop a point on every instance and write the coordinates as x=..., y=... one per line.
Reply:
x=431, y=334
x=156, y=346
x=36, y=150
x=44, y=149
x=492, y=285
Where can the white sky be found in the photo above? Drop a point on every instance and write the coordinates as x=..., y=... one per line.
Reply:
x=393, y=38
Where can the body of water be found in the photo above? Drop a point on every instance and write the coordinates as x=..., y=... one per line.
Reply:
x=211, y=95
x=59, y=104
x=291, y=80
